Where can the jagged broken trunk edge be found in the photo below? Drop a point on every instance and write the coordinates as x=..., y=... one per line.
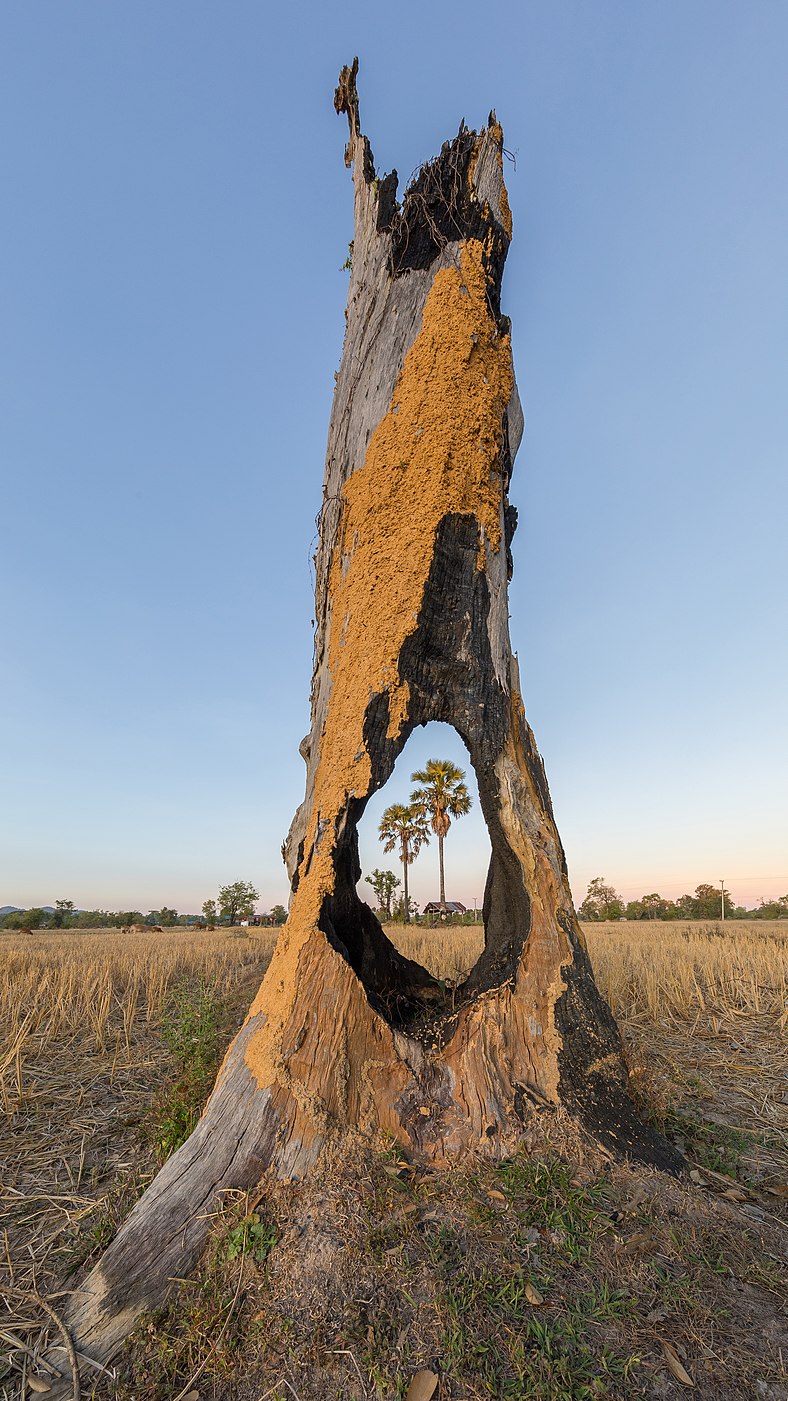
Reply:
x=411, y=625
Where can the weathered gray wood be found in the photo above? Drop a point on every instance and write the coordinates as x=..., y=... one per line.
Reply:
x=166, y=1230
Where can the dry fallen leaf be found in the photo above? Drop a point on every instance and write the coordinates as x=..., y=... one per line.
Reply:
x=422, y=1386
x=672, y=1359
x=495, y=1195
x=734, y=1194
x=778, y=1189
x=532, y=1294
x=637, y=1243
x=637, y=1199
x=38, y=1384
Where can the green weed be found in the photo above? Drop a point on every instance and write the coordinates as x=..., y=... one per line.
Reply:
x=190, y=1029
x=251, y=1237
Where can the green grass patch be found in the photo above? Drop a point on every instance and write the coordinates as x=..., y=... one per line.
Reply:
x=714, y=1146
x=545, y=1195
x=496, y=1337
x=191, y=1031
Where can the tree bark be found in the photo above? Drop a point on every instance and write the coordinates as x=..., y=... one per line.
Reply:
x=411, y=616
x=440, y=865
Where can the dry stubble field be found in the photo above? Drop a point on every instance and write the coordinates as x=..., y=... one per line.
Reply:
x=643, y=1285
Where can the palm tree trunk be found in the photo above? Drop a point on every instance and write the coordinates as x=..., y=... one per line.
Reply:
x=440, y=861
x=406, y=897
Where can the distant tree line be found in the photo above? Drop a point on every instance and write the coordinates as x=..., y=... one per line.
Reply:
x=234, y=903
x=602, y=902
x=65, y=916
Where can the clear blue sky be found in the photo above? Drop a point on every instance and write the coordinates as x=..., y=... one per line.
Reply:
x=176, y=213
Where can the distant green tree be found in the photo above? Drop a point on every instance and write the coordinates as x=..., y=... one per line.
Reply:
x=210, y=912
x=771, y=909
x=23, y=919
x=165, y=917
x=64, y=912
x=237, y=901
x=707, y=903
x=278, y=914
x=685, y=907
x=384, y=883
x=404, y=828
x=440, y=795
x=652, y=906
x=398, y=912
x=602, y=901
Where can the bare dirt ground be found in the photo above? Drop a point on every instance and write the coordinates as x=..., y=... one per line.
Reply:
x=559, y=1274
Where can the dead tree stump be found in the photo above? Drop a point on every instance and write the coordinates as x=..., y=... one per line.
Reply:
x=412, y=577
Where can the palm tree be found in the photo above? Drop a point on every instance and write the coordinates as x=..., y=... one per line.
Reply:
x=405, y=828
x=441, y=795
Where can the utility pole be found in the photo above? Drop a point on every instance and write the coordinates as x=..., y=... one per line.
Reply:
x=722, y=900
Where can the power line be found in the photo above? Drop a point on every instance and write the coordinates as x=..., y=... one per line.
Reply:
x=677, y=880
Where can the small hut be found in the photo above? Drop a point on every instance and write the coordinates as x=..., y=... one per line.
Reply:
x=441, y=909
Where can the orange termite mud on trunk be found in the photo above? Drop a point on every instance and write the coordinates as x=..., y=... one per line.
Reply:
x=412, y=570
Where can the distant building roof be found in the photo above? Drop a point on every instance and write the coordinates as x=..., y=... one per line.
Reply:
x=444, y=907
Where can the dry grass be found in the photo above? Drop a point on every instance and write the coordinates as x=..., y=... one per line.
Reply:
x=103, y=983
x=701, y=1006
x=704, y=1014
x=664, y=970
x=657, y=969
x=81, y=1056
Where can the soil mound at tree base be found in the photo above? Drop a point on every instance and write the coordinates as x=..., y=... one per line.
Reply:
x=557, y=1274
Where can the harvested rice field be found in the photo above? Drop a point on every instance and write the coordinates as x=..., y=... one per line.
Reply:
x=558, y=1275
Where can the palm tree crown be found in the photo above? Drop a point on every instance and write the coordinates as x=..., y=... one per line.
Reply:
x=441, y=795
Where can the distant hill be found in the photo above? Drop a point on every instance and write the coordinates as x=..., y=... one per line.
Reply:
x=17, y=909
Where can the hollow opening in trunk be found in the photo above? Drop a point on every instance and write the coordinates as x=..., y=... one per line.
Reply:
x=465, y=854
x=418, y=973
